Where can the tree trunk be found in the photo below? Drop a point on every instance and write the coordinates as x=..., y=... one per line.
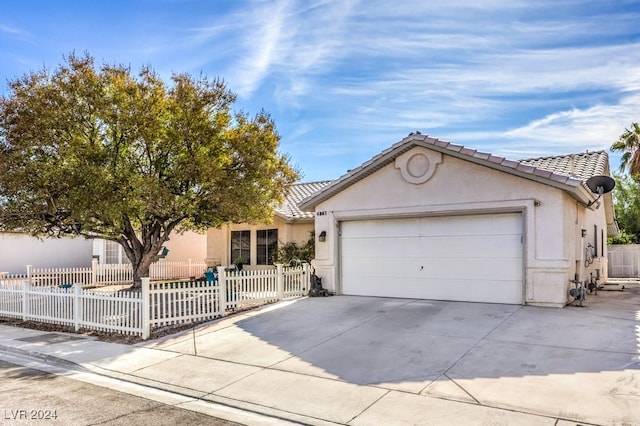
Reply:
x=142, y=247
x=141, y=270
x=141, y=257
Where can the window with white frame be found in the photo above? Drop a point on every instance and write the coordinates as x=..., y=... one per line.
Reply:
x=113, y=253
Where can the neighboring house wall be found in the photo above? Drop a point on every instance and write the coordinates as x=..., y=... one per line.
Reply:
x=108, y=252
x=182, y=247
x=19, y=250
x=185, y=246
x=553, y=248
x=219, y=240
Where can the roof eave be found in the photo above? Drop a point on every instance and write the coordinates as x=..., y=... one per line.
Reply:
x=575, y=188
x=583, y=195
x=291, y=219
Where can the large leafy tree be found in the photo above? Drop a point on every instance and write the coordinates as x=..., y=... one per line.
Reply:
x=629, y=145
x=103, y=152
x=626, y=196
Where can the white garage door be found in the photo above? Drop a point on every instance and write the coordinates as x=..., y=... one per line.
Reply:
x=466, y=258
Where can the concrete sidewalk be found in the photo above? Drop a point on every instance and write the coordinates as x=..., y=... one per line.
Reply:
x=371, y=361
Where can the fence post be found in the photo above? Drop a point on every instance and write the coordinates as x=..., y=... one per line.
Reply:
x=280, y=280
x=25, y=302
x=77, y=310
x=222, y=290
x=29, y=273
x=146, y=311
x=94, y=271
x=190, y=273
x=306, y=278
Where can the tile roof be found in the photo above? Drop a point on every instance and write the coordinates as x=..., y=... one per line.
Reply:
x=567, y=172
x=581, y=166
x=289, y=209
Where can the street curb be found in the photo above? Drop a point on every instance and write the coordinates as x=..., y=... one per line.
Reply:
x=280, y=416
x=209, y=398
x=44, y=357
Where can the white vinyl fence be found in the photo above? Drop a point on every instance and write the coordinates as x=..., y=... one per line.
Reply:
x=156, y=305
x=623, y=260
x=82, y=309
x=106, y=274
x=245, y=289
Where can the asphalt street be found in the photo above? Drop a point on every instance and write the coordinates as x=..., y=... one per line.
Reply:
x=33, y=396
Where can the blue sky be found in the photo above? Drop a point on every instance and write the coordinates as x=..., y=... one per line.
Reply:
x=346, y=79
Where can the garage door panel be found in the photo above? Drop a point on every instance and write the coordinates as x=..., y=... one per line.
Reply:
x=381, y=229
x=402, y=268
x=489, y=291
x=507, y=246
x=471, y=258
x=382, y=247
x=438, y=226
x=428, y=246
x=481, y=246
x=441, y=268
x=469, y=225
x=475, y=254
x=496, y=269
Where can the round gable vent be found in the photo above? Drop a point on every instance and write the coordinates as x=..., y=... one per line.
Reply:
x=418, y=165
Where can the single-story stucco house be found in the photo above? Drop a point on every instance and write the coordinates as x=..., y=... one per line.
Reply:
x=256, y=243
x=432, y=220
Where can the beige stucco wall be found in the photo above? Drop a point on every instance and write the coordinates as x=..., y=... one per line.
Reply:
x=183, y=247
x=590, y=218
x=552, y=219
x=187, y=246
x=219, y=239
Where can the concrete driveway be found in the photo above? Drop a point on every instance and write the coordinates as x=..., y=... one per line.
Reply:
x=361, y=360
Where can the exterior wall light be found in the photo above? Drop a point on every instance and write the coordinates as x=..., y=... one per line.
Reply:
x=322, y=237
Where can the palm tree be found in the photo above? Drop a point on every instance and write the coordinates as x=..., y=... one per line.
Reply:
x=629, y=144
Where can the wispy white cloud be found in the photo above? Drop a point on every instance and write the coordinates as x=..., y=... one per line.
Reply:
x=13, y=31
x=290, y=42
x=596, y=127
x=462, y=100
x=262, y=44
x=16, y=33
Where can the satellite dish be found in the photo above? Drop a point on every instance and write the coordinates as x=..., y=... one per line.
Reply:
x=601, y=184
